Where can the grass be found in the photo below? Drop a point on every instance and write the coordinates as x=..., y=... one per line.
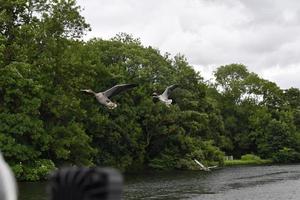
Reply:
x=246, y=162
x=248, y=159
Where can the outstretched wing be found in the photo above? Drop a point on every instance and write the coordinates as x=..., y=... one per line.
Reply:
x=168, y=91
x=118, y=89
x=200, y=164
x=212, y=167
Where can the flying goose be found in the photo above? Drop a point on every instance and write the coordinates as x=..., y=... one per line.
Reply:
x=8, y=188
x=104, y=97
x=202, y=167
x=164, y=97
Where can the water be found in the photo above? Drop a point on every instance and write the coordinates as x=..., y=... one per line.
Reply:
x=234, y=183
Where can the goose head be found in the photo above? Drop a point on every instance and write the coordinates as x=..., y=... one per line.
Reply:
x=154, y=95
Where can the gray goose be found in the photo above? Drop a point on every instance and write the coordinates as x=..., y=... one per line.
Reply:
x=104, y=97
x=8, y=188
x=164, y=97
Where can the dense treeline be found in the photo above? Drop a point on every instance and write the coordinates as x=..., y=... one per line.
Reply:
x=46, y=122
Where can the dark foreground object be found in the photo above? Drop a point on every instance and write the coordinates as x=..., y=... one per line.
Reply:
x=85, y=184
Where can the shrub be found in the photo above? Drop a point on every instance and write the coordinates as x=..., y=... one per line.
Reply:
x=33, y=172
x=250, y=157
x=286, y=155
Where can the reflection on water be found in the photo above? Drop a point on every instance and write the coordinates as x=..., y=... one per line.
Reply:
x=32, y=191
x=256, y=182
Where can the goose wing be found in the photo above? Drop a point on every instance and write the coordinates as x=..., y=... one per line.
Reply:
x=118, y=89
x=212, y=167
x=200, y=164
x=168, y=91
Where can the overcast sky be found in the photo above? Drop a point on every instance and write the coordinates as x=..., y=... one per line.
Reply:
x=262, y=34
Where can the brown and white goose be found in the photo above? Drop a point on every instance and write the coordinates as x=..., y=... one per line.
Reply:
x=104, y=97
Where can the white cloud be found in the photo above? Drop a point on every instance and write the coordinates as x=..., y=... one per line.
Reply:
x=285, y=77
x=262, y=34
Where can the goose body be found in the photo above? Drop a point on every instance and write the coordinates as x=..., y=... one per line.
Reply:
x=101, y=98
x=164, y=97
x=168, y=102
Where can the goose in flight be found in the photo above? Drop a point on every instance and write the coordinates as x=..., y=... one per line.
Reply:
x=164, y=97
x=8, y=188
x=202, y=167
x=104, y=97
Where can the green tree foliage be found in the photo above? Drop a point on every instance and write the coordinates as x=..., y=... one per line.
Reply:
x=40, y=120
x=46, y=122
x=259, y=117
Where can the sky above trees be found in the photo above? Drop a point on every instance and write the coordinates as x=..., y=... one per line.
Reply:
x=262, y=34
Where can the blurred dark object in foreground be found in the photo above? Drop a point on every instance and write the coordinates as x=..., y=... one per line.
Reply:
x=76, y=183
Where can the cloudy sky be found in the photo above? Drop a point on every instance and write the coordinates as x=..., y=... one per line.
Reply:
x=262, y=34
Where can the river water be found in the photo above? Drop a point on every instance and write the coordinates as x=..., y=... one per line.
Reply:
x=280, y=182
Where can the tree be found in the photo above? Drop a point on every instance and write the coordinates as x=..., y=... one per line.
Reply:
x=38, y=124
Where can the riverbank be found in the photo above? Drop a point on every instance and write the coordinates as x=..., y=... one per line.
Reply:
x=248, y=159
x=247, y=162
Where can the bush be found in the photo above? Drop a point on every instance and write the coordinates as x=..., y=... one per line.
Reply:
x=205, y=152
x=37, y=171
x=250, y=157
x=163, y=162
x=213, y=154
x=286, y=155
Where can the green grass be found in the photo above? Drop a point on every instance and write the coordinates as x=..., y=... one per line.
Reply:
x=246, y=162
x=248, y=159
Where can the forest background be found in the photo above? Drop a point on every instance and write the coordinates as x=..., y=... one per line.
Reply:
x=46, y=122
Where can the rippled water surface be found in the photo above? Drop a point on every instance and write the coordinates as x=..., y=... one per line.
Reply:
x=235, y=183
